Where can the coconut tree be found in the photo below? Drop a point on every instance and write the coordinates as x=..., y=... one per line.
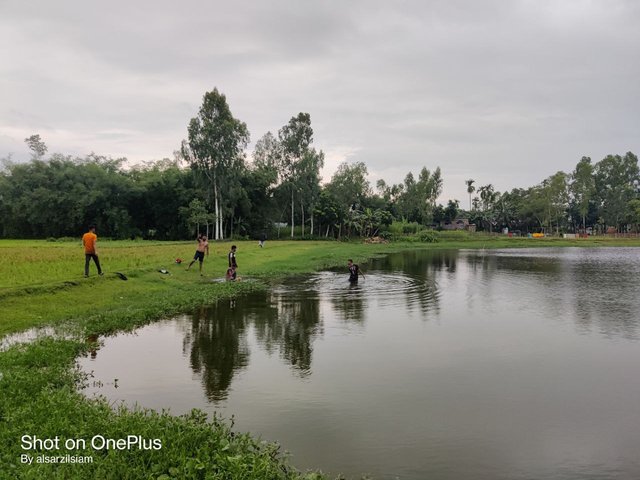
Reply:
x=470, y=189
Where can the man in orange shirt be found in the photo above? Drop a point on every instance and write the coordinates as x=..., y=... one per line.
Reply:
x=89, y=240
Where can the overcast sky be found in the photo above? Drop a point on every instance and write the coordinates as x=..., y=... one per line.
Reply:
x=505, y=92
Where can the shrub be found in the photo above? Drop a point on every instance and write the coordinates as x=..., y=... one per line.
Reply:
x=427, y=236
x=405, y=228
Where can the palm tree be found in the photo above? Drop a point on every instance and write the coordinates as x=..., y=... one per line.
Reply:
x=470, y=189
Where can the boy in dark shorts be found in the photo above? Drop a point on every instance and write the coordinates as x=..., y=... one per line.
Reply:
x=203, y=246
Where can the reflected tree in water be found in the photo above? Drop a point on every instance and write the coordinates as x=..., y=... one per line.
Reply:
x=616, y=315
x=218, y=346
x=290, y=324
x=350, y=304
x=217, y=340
x=299, y=318
x=418, y=263
x=599, y=290
x=422, y=268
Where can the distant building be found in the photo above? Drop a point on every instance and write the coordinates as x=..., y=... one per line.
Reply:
x=458, y=224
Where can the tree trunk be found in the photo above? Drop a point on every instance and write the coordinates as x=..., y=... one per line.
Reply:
x=291, y=211
x=312, y=221
x=216, y=230
x=326, y=235
x=302, y=210
x=220, y=219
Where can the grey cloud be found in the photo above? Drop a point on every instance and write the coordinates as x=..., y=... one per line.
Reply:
x=505, y=92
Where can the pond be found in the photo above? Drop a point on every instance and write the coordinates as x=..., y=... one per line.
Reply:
x=493, y=365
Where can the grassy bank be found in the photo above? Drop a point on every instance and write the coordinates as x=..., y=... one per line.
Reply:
x=38, y=385
x=41, y=283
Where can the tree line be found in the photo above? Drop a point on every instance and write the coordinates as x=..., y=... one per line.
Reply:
x=212, y=186
x=596, y=197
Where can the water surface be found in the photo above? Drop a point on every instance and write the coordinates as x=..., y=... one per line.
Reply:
x=506, y=364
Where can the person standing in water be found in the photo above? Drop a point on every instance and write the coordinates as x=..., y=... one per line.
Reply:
x=201, y=249
x=354, y=271
x=89, y=240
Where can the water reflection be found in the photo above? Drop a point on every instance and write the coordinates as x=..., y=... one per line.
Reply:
x=596, y=288
x=287, y=320
x=457, y=364
x=217, y=346
x=216, y=339
x=299, y=320
x=350, y=304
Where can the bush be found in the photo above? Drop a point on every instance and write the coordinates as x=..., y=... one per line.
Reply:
x=427, y=236
x=405, y=228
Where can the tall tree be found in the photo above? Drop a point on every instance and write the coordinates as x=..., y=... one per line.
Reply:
x=429, y=188
x=37, y=146
x=488, y=198
x=349, y=184
x=634, y=209
x=583, y=187
x=309, y=182
x=409, y=200
x=558, y=195
x=470, y=189
x=329, y=212
x=195, y=214
x=615, y=179
x=295, y=138
x=216, y=142
x=267, y=158
x=451, y=211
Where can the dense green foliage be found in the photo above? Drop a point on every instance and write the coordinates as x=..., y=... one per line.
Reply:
x=61, y=196
x=600, y=197
x=214, y=151
x=212, y=187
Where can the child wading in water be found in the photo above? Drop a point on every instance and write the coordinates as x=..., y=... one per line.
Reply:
x=354, y=271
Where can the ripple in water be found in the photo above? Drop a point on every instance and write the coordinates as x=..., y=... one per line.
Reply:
x=386, y=289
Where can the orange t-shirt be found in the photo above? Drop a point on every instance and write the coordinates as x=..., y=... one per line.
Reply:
x=89, y=242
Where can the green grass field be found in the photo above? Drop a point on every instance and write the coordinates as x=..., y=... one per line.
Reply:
x=41, y=283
